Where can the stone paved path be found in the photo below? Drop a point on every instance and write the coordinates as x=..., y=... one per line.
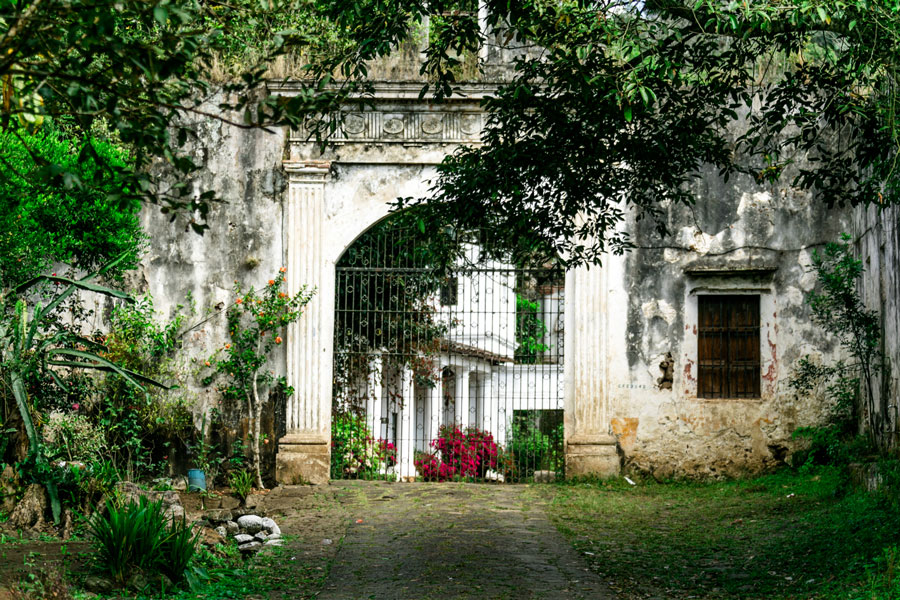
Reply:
x=421, y=541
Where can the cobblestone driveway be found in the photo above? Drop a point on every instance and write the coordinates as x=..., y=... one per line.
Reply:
x=421, y=541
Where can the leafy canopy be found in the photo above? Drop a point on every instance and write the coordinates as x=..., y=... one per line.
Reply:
x=616, y=105
x=143, y=69
x=609, y=106
x=78, y=225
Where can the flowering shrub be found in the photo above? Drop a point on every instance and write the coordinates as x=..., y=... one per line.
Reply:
x=255, y=321
x=354, y=451
x=459, y=454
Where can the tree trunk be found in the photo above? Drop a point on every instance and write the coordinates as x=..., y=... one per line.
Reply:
x=257, y=417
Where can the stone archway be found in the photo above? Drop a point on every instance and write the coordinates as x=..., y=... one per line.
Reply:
x=334, y=197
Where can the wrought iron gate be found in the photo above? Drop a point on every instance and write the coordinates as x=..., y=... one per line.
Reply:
x=444, y=374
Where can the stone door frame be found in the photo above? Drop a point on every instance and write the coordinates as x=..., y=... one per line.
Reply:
x=405, y=138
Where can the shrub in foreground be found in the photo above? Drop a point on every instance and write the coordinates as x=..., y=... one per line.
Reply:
x=139, y=536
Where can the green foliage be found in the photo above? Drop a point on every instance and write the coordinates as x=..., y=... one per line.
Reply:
x=659, y=85
x=73, y=437
x=252, y=34
x=78, y=225
x=6, y=436
x=530, y=331
x=238, y=456
x=828, y=445
x=354, y=451
x=241, y=483
x=139, y=536
x=82, y=486
x=141, y=70
x=531, y=448
x=837, y=307
x=883, y=577
x=667, y=88
x=177, y=550
x=128, y=537
x=142, y=425
x=256, y=322
x=33, y=340
x=810, y=536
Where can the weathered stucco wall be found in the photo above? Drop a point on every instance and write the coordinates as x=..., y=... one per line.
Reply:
x=737, y=238
x=740, y=239
x=877, y=240
x=245, y=242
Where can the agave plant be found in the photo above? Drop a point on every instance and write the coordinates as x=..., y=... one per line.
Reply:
x=29, y=340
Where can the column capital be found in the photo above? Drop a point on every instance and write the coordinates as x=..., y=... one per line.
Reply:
x=307, y=171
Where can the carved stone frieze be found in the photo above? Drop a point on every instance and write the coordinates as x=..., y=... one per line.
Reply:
x=406, y=127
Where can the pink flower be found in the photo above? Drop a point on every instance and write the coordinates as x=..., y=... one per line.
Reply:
x=76, y=406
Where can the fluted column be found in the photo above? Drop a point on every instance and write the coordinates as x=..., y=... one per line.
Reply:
x=304, y=453
x=407, y=441
x=462, y=398
x=436, y=406
x=590, y=448
x=374, y=394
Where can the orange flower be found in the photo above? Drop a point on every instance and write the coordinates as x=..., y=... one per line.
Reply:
x=207, y=364
x=262, y=314
x=278, y=340
x=227, y=346
x=271, y=282
x=239, y=300
x=281, y=294
x=282, y=270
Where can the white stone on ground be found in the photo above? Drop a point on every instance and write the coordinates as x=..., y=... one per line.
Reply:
x=250, y=523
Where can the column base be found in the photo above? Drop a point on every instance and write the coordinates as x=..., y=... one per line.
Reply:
x=303, y=459
x=592, y=456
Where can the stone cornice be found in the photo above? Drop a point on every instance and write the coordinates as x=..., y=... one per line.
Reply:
x=399, y=91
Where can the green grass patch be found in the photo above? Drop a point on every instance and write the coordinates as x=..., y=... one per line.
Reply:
x=782, y=536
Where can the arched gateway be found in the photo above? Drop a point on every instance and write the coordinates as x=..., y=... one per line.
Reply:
x=334, y=197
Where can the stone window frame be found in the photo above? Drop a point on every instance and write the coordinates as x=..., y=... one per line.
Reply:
x=726, y=376
x=747, y=281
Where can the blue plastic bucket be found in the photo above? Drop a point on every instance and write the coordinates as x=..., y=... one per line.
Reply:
x=196, y=480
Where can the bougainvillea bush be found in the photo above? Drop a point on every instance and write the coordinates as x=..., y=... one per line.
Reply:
x=459, y=454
